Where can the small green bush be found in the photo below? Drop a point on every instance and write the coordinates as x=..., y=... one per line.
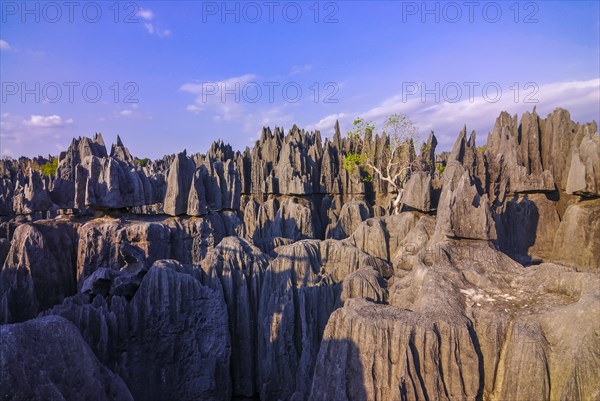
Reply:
x=441, y=169
x=49, y=168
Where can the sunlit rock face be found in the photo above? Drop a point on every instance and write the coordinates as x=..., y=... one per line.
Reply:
x=276, y=274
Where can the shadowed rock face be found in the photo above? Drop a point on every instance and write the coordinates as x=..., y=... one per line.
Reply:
x=170, y=339
x=274, y=273
x=38, y=271
x=401, y=355
x=575, y=246
x=236, y=268
x=178, y=353
x=300, y=290
x=466, y=323
x=47, y=359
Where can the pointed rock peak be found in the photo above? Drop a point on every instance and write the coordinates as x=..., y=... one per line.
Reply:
x=428, y=148
x=432, y=140
x=120, y=142
x=337, y=138
x=458, y=150
x=99, y=139
x=265, y=134
x=336, y=127
x=562, y=113
x=471, y=142
x=503, y=118
x=534, y=110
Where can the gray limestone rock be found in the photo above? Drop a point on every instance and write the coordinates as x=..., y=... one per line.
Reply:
x=526, y=225
x=179, y=346
x=584, y=171
x=351, y=215
x=179, y=181
x=301, y=289
x=63, y=191
x=39, y=270
x=237, y=268
x=32, y=196
x=462, y=211
x=577, y=239
x=379, y=352
x=417, y=193
x=367, y=283
x=47, y=359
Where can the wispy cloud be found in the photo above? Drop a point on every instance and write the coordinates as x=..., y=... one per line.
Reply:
x=4, y=45
x=132, y=112
x=20, y=135
x=327, y=123
x=153, y=29
x=276, y=116
x=152, y=26
x=38, y=121
x=300, y=69
x=220, y=97
x=446, y=119
x=145, y=13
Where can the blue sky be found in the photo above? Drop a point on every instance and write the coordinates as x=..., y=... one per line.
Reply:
x=196, y=68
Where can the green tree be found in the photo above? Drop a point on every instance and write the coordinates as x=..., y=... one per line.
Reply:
x=395, y=162
x=49, y=168
x=143, y=162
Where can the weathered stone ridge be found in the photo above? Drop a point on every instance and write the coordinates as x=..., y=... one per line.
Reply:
x=275, y=274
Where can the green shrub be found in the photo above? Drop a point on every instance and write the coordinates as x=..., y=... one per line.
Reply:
x=49, y=168
x=441, y=169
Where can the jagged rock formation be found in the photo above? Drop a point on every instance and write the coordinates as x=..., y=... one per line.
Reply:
x=38, y=270
x=301, y=289
x=195, y=341
x=169, y=339
x=275, y=273
x=237, y=268
x=465, y=312
x=366, y=283
x=351, y=215
x=47, y=359
x=402, y=356
x=577, y=239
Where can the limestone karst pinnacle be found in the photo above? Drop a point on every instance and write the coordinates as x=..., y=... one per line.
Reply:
x=275, y=273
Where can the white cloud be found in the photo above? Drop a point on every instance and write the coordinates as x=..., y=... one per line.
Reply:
x=132, y=112
x=32, y=136
x=38, y=121
x=4, y=45
x=299, y=69
x=446, y=119
x=218, y=97
x=149, y=27
x=153, y=28
x=145, y=13
x=326, y=124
